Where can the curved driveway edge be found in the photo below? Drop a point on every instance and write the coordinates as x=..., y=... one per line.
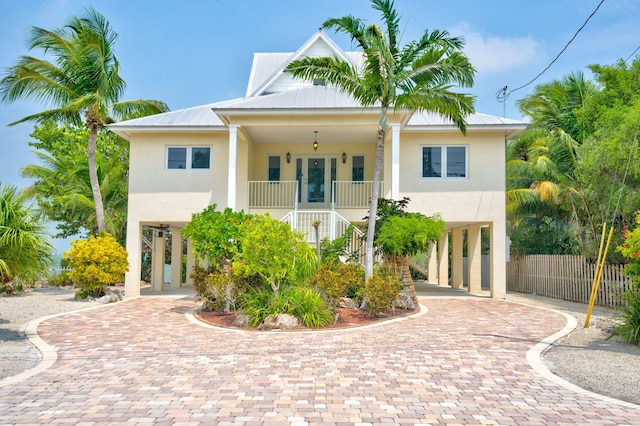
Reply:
x=142, y=361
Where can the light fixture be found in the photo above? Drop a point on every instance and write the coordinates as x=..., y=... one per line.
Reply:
x=315, y=163
x=315, y=141
x=344, y=157
x=288, y=156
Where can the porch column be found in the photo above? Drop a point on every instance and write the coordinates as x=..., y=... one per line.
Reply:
x=157, y=261
x=395, y=161
x=191, y=262
x=432, y=268
x=233, y=168
x=474, y=255
x=498, y=254
x=134, y=250
x=176, y=258
x=443, y=260
x=456, y=258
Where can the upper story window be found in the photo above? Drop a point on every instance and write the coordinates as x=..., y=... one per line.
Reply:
x=274, y=168
x=444, y=162
x=188, y=158
x=357, y=168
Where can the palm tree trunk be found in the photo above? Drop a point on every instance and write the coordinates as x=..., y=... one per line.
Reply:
x=93, y=177
x=375, y=194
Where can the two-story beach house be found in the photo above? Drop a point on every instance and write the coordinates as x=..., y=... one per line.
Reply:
x=305, y=152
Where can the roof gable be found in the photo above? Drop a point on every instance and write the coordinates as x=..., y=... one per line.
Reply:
x=261, y=82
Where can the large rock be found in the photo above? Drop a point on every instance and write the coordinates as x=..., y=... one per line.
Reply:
x=242, y=320
x=279, y=321
x=346, y=302
x=404, y=300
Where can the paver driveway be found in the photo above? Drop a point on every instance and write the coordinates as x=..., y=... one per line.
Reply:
x=142, y=361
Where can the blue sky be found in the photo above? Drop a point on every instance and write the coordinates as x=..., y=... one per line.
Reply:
x=200, y=51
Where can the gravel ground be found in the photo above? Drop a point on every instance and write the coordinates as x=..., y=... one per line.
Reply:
x=585, y=357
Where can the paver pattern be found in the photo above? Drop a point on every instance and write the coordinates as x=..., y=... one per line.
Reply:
x=142, y=361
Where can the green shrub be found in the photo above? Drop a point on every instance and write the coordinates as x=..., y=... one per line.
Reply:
x=12, y=287
x=629, y=329
x=60, y=279
x=96, y=262
x=260, y=303
x=336, y=280
x=381, y=290
x=310, y=308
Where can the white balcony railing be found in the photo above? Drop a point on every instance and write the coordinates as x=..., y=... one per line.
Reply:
x=272, y=194
x=353, y=194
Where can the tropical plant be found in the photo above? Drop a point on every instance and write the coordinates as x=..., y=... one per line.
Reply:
x=274, y=251
x=336, y=279
x=26, y=251
x=417, y=76
x=96, y=263
x=82, y=84
x=381, y=291
x=310, y=308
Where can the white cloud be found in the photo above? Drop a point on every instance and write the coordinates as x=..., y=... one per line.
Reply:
x=495, y=53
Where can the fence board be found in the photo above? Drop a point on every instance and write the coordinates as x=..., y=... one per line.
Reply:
x=566, y=277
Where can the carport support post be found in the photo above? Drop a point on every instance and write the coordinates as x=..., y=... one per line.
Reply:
x=176, y=258
x=432, y=268
x=456, y=255
x=134, y=250
x=191, y=263
x=474, y=253
x=157, y=260
x=443, y=259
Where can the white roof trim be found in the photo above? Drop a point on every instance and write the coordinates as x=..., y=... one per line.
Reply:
x=319, y=35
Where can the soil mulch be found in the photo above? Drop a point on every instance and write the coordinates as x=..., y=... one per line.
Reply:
x=347, y=318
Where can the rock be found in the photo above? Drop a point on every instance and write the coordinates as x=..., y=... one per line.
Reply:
x=104, y=299
x=279, y=321
x=346, y=302
x=404, y=300
x=242, y=320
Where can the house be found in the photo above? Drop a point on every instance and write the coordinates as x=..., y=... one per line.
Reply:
x=306, y=152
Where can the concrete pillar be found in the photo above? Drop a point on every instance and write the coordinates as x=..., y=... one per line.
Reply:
x=395, y=161
x=498, y=255
x=233, y=166
x=176, y=258
x=474, y=255
x=443, y=260
x=432, y=268
x=191, y=262
x=157, y=260
x=134, y=250
x=456, y=258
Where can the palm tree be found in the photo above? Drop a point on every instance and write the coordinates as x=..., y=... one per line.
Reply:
x=82, y=84
x=25, y=248
x=417, y=76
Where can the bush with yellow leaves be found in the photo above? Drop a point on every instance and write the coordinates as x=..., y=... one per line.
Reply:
x=96, y=262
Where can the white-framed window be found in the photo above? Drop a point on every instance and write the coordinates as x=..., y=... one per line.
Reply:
x=188, y=158
x=444, y=162
x=274, y=168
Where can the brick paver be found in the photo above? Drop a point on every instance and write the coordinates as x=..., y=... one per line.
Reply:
x=142, y=362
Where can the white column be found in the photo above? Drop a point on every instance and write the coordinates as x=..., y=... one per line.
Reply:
x=134, y=251
x=456, y=258
x=157, y=261
x=176, y=258
x=474, y=255
x=432, y=268
x=395, y=161
x=233, y=166
x=191, y=262
x=498, y=254
x=443, y=260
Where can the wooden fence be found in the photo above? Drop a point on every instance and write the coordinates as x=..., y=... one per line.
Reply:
x=566, y=277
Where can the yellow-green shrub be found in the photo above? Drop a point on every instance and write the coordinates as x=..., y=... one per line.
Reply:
x=96, y=262
x=381, y=290
x=336, y=280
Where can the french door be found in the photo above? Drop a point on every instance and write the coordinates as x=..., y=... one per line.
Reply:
x=314, y=174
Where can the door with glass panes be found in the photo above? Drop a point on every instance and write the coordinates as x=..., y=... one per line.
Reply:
x=314, y=174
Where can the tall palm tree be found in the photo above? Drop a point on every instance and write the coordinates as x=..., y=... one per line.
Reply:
x=25, y=248
x=82, y=85
x=417, y=76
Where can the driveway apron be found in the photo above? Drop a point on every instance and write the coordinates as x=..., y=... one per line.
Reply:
x=142, y=361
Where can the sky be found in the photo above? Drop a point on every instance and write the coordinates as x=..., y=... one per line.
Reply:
x=196, y=52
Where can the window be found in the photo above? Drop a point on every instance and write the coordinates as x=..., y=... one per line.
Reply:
x=444, y=161
x=357, y=168
x=274, y=168
x=189, y=158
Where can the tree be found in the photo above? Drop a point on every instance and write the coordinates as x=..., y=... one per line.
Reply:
x=417, y=76
x=25, y=247
x=82, y=85
x=61, y=184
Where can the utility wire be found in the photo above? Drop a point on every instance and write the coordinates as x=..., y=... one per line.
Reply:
x=502, y=95
x=632, y=53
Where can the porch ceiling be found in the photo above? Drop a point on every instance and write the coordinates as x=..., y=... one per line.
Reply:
x=305, y=134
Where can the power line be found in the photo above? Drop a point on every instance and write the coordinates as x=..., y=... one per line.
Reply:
x=502, y=96
x=632, y=53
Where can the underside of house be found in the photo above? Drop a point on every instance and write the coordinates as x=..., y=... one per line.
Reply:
x=305, y=152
